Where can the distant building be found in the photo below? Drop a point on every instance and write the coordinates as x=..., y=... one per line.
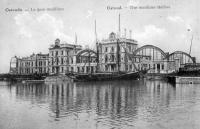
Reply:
x=61, y=57
x=36, y=63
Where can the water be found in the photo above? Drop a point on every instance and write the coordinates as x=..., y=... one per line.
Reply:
x=100, y=105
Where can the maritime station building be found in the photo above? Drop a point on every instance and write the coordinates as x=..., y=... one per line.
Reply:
x=114, y=54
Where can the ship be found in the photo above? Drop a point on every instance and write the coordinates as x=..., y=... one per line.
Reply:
x=100, y=75
x=105, y=76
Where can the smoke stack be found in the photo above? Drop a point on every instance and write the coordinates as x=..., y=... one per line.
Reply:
x=95, y=30
x=130, y=32
x=119, y=26
x=125, y=33
x=76, y=40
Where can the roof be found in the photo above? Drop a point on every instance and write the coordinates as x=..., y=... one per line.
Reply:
x=65, y=45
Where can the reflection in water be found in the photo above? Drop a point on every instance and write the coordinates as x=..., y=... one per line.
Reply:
x=113, y=104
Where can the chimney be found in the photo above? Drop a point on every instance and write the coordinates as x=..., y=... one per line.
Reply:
x=119, y=31
x=130, y=32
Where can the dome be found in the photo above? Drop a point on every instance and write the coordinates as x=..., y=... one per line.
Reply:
x=57, y=42
x=112, y=36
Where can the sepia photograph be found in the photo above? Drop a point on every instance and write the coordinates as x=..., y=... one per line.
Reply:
x=100, y=64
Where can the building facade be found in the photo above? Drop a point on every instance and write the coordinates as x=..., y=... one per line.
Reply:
x=62, y=57
x=115, y=54
x=36, y=63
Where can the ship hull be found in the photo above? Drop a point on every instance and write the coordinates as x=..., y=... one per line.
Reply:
x=105, y=76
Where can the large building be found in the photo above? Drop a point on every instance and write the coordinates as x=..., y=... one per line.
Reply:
x=116, y=54
x=36, y=63
x=62, y=57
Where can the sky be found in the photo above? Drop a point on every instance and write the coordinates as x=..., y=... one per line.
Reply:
x=25, y=32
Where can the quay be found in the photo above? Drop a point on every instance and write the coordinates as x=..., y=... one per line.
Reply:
x=21, y=77
x=187, y=80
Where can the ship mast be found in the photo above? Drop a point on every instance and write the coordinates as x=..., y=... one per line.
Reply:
x=118, y=47
x=97, y=45
x=119, y=33
x=191, y=45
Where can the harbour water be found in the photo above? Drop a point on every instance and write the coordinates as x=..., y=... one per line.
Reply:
x=100, y=105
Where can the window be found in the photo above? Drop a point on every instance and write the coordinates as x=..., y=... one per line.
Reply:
x=71, y=60
x=61, y=52
x=67, y=60
x=92, y=69
x=56, y=53
x=106, y=68
x=61, y=60
x=106, y=49
x=40, y=63
x=106, y=58
x=112, y=49
x=162, y=66
x=62, y=69
x=130, y=67
x=57, y=60
x=112, y=58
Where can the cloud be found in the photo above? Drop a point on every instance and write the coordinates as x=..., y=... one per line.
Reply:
x=184, y=24
x=31, y=26
x=23, y=21
x=150, y=34
x=89, y=13
x=175, y=19
x=133, y=3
